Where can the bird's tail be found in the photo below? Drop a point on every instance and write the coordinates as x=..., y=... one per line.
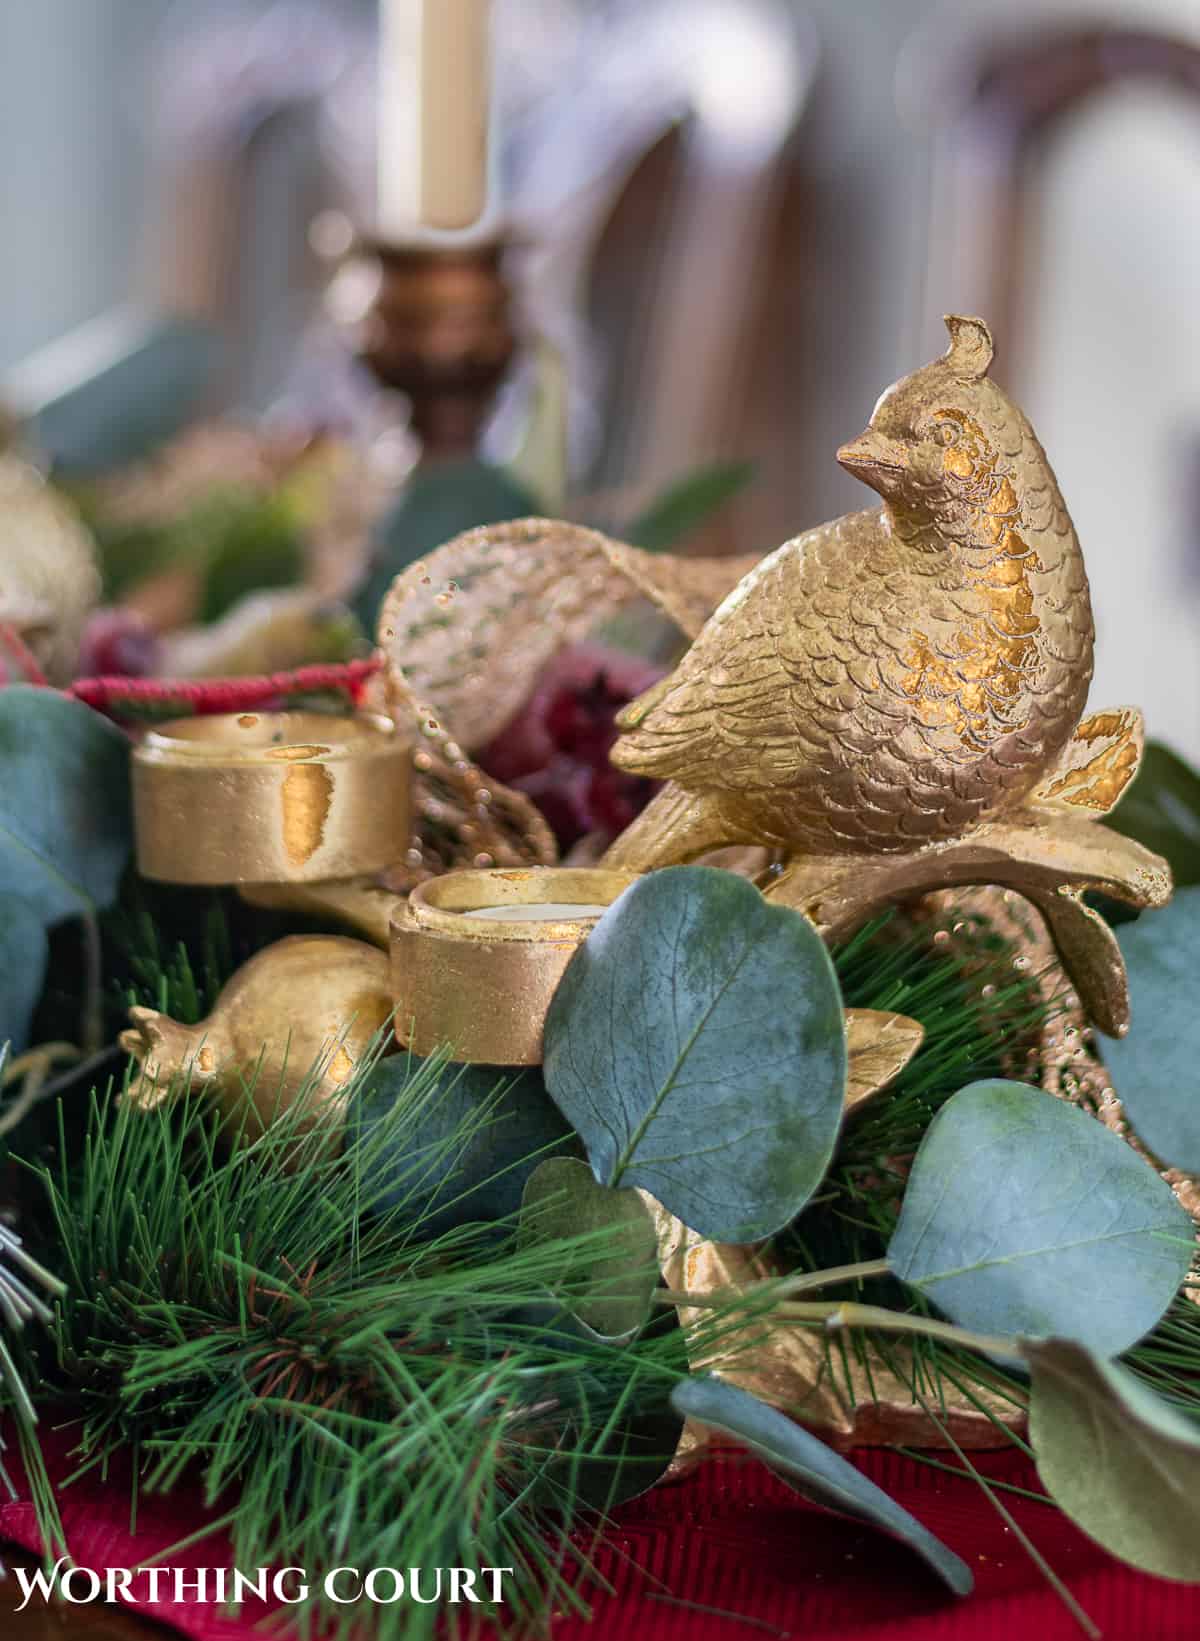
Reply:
x=676, y=826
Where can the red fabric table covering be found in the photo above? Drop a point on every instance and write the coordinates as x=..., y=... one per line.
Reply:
x=732, y=1537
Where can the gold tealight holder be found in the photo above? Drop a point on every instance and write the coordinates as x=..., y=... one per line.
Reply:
x=478, y=955
x=271, y=797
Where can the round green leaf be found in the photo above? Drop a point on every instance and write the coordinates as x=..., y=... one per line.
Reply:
x=1121, y=1462
x=610, y=1278
x=65, y=825
x=482, y=1132
x=1024, y=1215
x=23, y=953
x=437, y=503
x=697, y=1045
x=813, y=1469
x=1156, y=1068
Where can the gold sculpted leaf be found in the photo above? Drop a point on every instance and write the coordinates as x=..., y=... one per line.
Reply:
x=1099, y=763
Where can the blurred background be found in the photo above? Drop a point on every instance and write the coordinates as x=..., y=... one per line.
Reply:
x=732, y=223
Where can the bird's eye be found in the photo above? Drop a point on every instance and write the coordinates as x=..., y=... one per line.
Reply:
x=945, y=434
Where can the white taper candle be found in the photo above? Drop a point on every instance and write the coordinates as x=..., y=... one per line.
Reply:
x=434, y=104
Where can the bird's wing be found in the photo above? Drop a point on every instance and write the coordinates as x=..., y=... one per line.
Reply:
x=780, y=676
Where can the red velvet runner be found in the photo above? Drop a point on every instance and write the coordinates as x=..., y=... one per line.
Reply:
x=731, y=1537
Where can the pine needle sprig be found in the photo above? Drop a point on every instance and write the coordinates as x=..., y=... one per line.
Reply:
x=273, y=1319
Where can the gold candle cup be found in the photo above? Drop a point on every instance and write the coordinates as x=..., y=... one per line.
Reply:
x=271, y=797
x=483, y=985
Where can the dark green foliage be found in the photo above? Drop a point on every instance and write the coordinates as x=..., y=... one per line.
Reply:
x=688, y=504
x=348, y=1385
x=236, y=540
x=438, y=502
x=1161, y=809
x=1157, y=1068
x=65, y=825
x=484, y=1131
x=65, y=835
x=694, y=1010
x=23, y=952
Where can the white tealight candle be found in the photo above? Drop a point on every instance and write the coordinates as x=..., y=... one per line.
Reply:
x=434, y=100
x=548, y=911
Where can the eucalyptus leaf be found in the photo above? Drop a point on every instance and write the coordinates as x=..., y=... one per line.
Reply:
x=609, y=1282
x=111, y=391
x=1116, y=1458
x=683, y=507
x=1156, y=1068
x=482, y=1134
x=436, y=504
x=65, y=824
x=1161, y=809
x=1024, y=1215
x=813, y=1469
x=642, y=1434
x=23, y=953
x=696, y=1044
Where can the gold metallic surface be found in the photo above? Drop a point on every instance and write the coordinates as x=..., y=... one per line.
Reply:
x=878, y=1047
x=895, y=698
x=49, y=571
x=852, y=1402
x=362, y=904
x=259, y=797
x=441, y=332
x=470, y=628
x=294, y=1020
x=483, y=985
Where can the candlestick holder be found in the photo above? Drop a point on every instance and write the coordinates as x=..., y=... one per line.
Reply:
x=477, y=956
x=440, y=330
x=271, y=797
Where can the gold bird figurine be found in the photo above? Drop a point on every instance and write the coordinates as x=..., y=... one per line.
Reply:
x=894, y=698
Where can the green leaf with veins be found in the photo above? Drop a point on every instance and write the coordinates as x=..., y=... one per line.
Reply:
x=1116, y=1458
x=65, y=824
x=24, y=950
x=1156, y=1067
x=697, y=1045
x=1024, y=1215
x=609, y=1286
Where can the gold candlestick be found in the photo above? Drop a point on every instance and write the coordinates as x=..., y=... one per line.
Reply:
x=440, y=330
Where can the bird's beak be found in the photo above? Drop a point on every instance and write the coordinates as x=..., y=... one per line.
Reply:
x=872, y=452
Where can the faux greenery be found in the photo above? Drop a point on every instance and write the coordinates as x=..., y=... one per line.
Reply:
x=696, y=1045
x=340, y=1381
x=449, y=1340
x=65, y=837
x=1157, y=1067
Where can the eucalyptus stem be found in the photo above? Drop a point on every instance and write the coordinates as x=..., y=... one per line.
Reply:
x=835, y=1315
x=781, y=1287
x=809, y=1281
x=875, y=1316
